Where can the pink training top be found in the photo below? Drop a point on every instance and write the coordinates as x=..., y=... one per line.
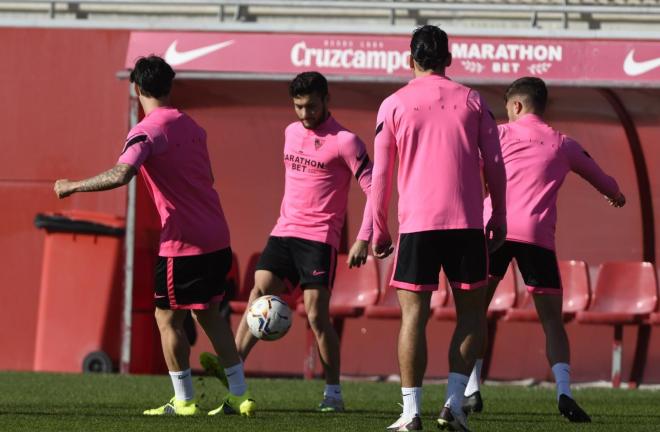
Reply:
x=319, y=165
x=170, y=150
x=537, y=159
x=439, y=128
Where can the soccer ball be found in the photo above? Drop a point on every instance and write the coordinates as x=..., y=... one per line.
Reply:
x=269, y=317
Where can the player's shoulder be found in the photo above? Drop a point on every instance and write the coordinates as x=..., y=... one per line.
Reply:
x=504, y=128
x=566, y=143
x=472, y=97
x=343, y=135
x=390, y=102
x=293, y=127
x=144, y=128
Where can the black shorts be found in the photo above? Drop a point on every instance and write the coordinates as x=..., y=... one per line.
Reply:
x=191, y=282
x=420, y=256
x=301, y=262
x=538, y=266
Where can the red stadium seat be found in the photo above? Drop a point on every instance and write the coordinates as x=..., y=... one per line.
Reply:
x=504, y=299
x=388, y=305
x=576, y=285
x=353, y=290
x=576, y=296
x=626, y=293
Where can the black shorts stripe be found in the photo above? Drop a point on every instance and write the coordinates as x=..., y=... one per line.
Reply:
x=379, y=128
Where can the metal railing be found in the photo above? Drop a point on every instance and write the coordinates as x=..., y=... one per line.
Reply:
x=564, y=8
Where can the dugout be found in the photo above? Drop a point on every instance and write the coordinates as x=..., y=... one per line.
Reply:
x=603, y=92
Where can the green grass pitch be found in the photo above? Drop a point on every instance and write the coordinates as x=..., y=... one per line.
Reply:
x=59, y=402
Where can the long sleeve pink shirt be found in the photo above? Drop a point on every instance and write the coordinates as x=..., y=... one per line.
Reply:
x=319, y=166
x=439, y=129
x=537, y=159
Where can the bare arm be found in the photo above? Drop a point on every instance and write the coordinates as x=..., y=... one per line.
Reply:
x=117, y=176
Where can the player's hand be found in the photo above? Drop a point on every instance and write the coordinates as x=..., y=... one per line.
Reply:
x=383, y=250
x=618, y=201
x=63, y=188
x=495, y=234
x=357, y=256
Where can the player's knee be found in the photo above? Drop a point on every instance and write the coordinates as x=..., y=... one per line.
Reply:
x=164, y=319
x=415, y=316
x=318, y=322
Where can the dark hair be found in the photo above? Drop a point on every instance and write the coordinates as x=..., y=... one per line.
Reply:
x=307, y=83
x=153, y=75
x=429, y=47
x=533, y=89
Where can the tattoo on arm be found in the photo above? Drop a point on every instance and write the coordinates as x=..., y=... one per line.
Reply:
x=115, y=177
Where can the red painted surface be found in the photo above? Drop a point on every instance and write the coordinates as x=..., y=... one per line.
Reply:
x=69, y=116
x=64, y=115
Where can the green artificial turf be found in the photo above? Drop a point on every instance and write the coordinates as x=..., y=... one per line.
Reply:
x=59, y=402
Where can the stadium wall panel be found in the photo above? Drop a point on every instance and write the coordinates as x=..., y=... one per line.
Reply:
x=64, y=114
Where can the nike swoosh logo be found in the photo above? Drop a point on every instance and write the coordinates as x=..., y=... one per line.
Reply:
x=317, y=273
x=176, y=58
x=633, y=68
x=159, y=296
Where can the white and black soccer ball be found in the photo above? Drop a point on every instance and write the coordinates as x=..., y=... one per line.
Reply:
x=269, y=318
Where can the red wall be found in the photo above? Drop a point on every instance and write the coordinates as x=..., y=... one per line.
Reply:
x=63, y=114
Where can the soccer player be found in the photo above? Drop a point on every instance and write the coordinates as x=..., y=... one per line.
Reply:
x=537, y=159
x=439, y=129
x=320, y=157
x=169, y=149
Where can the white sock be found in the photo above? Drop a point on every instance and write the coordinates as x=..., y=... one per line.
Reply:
x=455, y=389
x=332, y=391
x=412, y=401
x=183, y=385
x=236, y=379
x=475, y=378
x=562, y=373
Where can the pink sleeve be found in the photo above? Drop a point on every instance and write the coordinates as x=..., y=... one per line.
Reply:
x=383, y=171
x=137, y=148
x=354, y=153
x=491, y=154
x=582, y=164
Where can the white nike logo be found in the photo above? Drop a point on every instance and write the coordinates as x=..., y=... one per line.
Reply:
x=176, y=58
x=634, y=68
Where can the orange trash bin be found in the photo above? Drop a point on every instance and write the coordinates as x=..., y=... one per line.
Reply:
x=80, y=298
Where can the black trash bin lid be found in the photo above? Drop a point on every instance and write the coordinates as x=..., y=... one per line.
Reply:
x=56, y=222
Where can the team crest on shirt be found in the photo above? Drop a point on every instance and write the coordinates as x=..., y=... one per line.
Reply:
x=317, y=143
